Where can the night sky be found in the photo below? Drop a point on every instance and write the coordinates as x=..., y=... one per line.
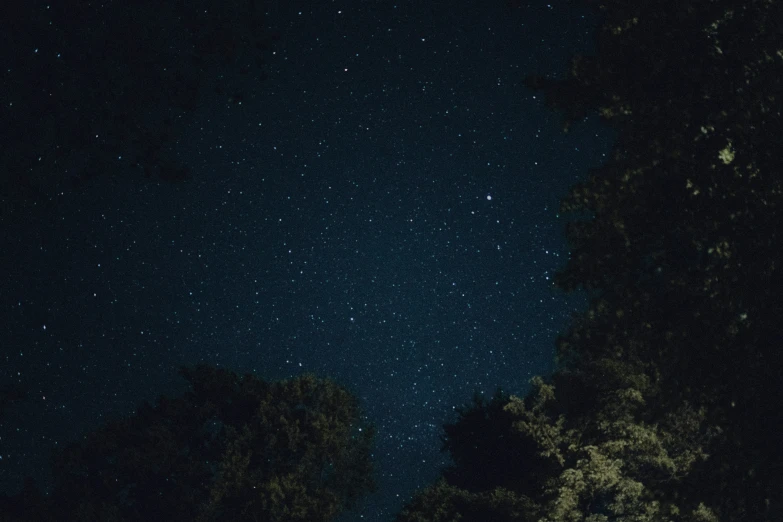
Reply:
x=382, y=210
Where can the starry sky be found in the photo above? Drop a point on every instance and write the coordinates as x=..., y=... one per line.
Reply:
x=382, y=210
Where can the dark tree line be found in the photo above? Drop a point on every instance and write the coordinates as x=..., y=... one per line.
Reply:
x=232, y=448
x=666, y=400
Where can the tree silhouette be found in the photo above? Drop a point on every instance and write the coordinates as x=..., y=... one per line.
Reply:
x=488, y=452
x=230, y=449
x=665, y=401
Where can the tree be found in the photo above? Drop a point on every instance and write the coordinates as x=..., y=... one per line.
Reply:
x=442, y=502
x=488, y=452
x=608, y=465
x=668, y=386
x=684, y=240
x=230, y=449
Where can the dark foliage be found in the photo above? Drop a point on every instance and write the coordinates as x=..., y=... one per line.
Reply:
x=231, y=449
x=665, y=404
x=488, y=452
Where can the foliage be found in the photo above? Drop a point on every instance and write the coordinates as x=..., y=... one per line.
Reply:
x=665, y=402
x=231, y=449
x=610, y=466
x=488, y=451
x=444, y=503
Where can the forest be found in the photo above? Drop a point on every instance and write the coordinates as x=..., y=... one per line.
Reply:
x=664, y=404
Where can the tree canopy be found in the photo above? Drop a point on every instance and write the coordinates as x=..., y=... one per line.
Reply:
x=232, y=448
x=665, y=401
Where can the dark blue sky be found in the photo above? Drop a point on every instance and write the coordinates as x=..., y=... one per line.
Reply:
x=381, y=210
